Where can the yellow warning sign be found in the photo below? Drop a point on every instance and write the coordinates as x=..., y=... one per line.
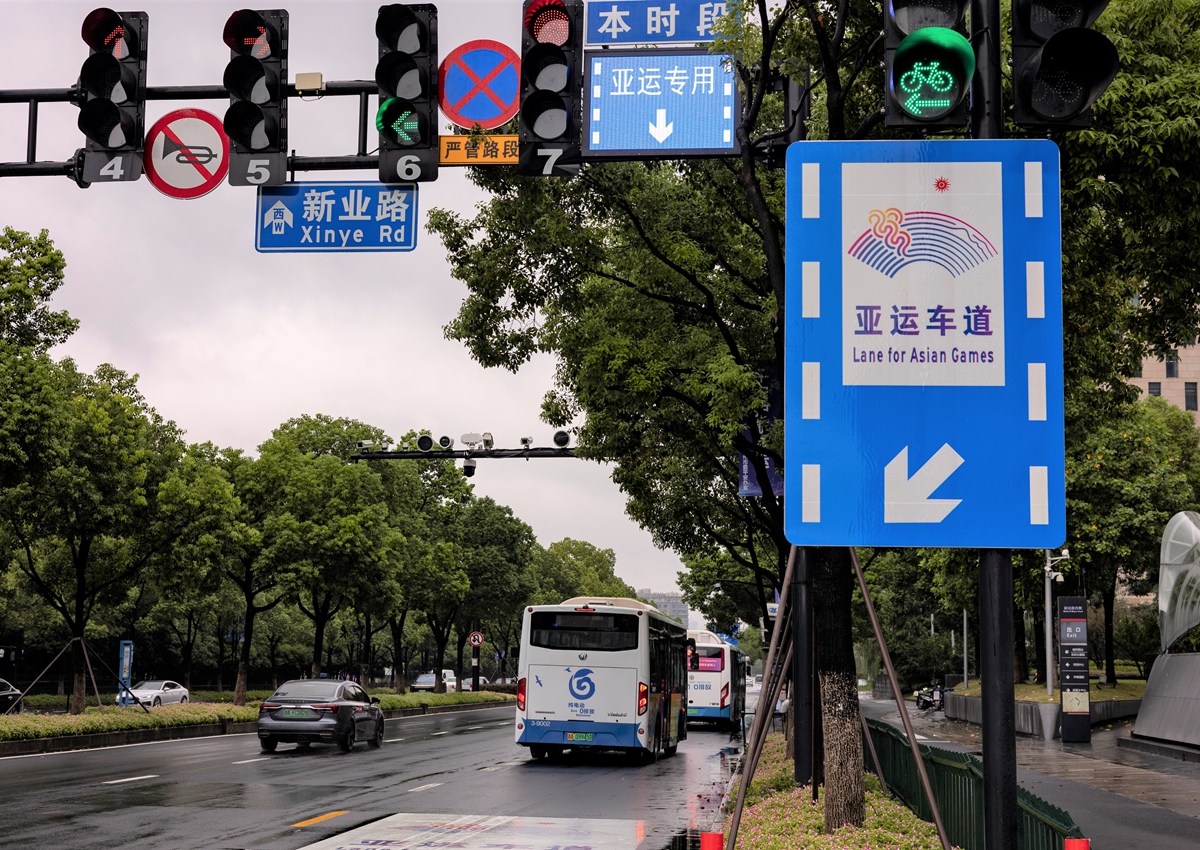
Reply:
x=481, y=150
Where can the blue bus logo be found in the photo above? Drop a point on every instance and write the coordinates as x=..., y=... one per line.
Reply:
x=581, y=685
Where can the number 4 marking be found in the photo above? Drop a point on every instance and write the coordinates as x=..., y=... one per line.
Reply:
x=552, y=155
x=113, y=170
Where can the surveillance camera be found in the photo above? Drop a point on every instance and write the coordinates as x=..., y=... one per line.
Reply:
x=425, y=442
x=469, y=467
x=1066, y=553
x=471, y=438
x=562, y=439
x=405, y=446
x=446, y=442
x=488, y=440
x=365, y=444
x=1058, y=577
x=527, y=442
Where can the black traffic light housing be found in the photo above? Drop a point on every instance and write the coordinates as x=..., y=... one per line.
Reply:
x=112, y=95
x=407, y=76
x=1060, y=65
x=551, y=88
x=256, y=77
x=928, y=63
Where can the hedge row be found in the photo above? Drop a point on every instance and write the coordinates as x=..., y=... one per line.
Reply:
x=18, y=727
x=44, y=702
x=414, y=700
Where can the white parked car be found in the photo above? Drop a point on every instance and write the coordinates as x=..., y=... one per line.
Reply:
x=160, y=692
x=426, y=681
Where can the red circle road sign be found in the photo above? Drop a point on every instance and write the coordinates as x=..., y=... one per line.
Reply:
x=480, y=83
x=476, y=639
x=187, y=153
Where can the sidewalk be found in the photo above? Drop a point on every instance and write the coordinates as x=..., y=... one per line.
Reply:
x=1121, y=799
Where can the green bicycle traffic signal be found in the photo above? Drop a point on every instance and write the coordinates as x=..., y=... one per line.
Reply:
x=931, y=73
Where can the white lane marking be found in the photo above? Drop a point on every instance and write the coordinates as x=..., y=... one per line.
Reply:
x=447, y=732
x=810, y=492
x=1035, y=290
x=1033, y=190
x=476, y=727
x=810, y=290
x=130, y=779
x=392, y=740
x=1039, y=495
x=1037, y=392
x=424, y=787
x=252, y=761
x=810, y=193
x=810, y=390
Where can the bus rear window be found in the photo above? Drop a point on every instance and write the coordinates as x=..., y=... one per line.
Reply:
x=706, y=659
x=575, y=630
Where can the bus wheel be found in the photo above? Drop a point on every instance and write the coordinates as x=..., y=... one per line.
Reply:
x=536, y=753
x=671, y=750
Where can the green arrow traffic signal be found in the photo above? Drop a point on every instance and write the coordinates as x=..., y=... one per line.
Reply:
x=931, y=73
x=399, y=121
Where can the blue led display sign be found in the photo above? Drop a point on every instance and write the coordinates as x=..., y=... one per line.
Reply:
x=659, y=103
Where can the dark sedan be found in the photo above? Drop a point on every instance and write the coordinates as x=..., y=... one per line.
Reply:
x=304, y=711
x=8, y=697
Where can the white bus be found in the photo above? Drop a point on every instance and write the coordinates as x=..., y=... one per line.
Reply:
x=716, y=680
x=601, y=673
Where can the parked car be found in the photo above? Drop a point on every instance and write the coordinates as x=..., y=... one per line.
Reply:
x=9, y=696
x=426, y=681
x=483, y=680
x=160, y=692
x=306, y=711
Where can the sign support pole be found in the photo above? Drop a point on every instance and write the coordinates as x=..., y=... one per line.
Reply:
x=995, y=565
x=804, y=752
x=475, y=665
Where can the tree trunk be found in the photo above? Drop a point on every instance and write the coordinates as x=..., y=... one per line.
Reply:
x=364, y=663
x=1020, y=650
x=1039, y=646
x=832, y=588
x=243, y=672
x=79, y=685
x=396, y=624
x=1110, y=660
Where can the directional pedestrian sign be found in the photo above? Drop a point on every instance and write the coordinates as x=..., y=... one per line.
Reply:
x=628, y=22
x=187, y=153
x=924, y=345
x=659, y=103
x=332, y=217
x=479, y=83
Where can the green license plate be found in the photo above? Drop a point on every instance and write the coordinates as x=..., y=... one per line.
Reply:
x=579, y=736
x=295, y=712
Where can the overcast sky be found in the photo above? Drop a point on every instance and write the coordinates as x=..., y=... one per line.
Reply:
x=229, y=342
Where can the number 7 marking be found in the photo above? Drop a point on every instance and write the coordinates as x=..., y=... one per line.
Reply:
x=552, y=155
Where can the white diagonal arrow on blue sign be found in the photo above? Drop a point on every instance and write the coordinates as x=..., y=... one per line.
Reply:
x=907, y=499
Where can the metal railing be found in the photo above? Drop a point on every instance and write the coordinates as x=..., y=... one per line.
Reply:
x=957, y=780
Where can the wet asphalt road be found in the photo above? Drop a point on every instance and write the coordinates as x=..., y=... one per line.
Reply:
x=222, y=792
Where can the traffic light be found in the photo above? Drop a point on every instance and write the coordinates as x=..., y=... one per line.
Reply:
x=1060, y=66
x=551, y=88
x=929, y=63
x=407, y=76
x=256, y=77
x=112, y=95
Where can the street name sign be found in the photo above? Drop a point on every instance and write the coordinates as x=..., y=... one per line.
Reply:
x=336, y=217
x=924, y=383
x=660, y=103
x=187, y=153
x=628, y=22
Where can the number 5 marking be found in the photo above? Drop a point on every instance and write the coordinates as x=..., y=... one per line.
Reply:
x=258, y=171
x=552, y=155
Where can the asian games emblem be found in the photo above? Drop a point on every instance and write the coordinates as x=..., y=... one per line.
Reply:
x=896, y=239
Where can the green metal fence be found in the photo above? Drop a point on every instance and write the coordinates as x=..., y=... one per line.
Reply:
x=957, y=780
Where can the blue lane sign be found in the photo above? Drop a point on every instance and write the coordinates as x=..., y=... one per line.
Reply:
x=626, y=22
x=341, y=216
x=924, y=345
x=659, y=103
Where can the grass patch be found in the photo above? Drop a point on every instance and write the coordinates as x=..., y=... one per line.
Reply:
x=21, y=727
x=389, y=702
x=781, y=816
x=1028, y=692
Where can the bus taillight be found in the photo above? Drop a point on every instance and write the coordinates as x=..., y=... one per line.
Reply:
x=643, y=698
x=724, y=694
x=521, y=695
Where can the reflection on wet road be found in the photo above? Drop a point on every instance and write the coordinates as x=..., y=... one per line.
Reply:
x=223, y=793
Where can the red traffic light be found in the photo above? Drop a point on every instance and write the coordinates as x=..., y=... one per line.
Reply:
x=548, y=22
x=248, y=33
x=107, y=32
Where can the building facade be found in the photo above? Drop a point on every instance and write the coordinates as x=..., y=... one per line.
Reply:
x=671, y=604
x=1174, y=378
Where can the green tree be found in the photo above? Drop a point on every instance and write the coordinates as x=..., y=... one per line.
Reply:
x=1124, y=481
x=31, y=271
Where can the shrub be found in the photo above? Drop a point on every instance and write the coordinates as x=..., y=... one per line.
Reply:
x=395, y=701
x=24, y=726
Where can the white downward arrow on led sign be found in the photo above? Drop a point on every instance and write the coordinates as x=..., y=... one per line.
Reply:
x=662, y=129
x=907, y=499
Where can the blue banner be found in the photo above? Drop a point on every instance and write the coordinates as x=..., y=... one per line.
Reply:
x=335, y=217
x=652, y=21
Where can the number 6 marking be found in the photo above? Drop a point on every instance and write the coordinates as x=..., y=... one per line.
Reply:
x=552, y=155
x=408, y=167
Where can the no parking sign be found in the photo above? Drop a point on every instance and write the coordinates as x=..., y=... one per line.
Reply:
x=480, y=83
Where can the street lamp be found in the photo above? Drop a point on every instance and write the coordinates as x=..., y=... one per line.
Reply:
x=1051, y=575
